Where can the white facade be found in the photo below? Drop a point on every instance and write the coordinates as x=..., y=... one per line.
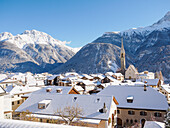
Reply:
x=146, y=75
x=5, y=106
x=165, y=90
x=131, y=72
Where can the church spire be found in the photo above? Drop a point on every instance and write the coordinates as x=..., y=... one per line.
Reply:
x=122, y=47
x=122, y=58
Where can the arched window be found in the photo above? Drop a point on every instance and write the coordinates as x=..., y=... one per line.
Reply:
x=131, y=121
x=127, y=120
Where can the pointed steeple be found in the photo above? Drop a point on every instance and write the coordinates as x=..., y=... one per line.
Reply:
x=122, y=47
x=122, y=58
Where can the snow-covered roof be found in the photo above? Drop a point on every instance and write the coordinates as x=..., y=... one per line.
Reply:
x=118, y=74
x=90, y=104
x=71, y=73
x=6, y=123
x=166, y=87
x=78, y=88
x=87, y=82
x=20, y=89
x=39, y=75
x=7, y=80
x=149, y=81
x=54, y=76
x=3, y=76
x=87, y=76
x=112, y=79
x=150, y=99
x=154, y=124
x=109, y=73
x=133, y=68
x=65, y=90
x=70, y=78
x=99, y=75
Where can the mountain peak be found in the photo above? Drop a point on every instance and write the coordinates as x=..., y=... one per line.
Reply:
x=34, y=32
x=166, y=18
x=5, y=36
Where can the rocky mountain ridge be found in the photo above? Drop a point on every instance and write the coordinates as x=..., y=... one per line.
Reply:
x=147, y=48
x=33, y=51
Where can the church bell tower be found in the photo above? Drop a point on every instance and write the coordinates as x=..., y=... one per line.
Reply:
x=122, y=59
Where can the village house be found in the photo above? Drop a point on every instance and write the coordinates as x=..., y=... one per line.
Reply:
x=54, y=79
x=87, y=85
x=98, y=111
x=7, y=82
x=118, y=76
x=165, y=90
x=154, y=83
x=146, y=75
x=137, y=104
x=5, y=105
x=16, y=93
x=40, y=77
x=97, y=77
x=87, y=77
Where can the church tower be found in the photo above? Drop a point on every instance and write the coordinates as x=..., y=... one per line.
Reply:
x=122, y=59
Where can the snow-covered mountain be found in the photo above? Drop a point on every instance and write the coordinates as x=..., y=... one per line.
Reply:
x=32, y=51
x=148, y=48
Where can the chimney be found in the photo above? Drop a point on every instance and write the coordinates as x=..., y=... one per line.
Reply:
x=25, y=80
x=145, y=85
x=104, y=108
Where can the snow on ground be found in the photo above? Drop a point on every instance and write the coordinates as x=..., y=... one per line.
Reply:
x=7, y=123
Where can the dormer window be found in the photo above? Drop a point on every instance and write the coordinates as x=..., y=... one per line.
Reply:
x=48, y=89
x=59, y=90
x=43, y=104
x=75, y=98
x=130, y=99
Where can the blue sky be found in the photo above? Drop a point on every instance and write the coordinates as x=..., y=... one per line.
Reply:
x=79, y=21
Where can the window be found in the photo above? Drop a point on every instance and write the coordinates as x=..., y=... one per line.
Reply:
x=136, y=121
x=12, y=103
x=118, y=111
x=127, y=120
x=131, y=121
x=18, y=102
x=131, y=112
x=18, y=95
x=47, y=121
x=40, y=120
x=130, y=99
x=143, y=113
x=41, y=106
x=157, y=114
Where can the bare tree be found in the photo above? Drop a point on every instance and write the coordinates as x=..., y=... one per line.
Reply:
x=69, y=113
x=27, y=115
